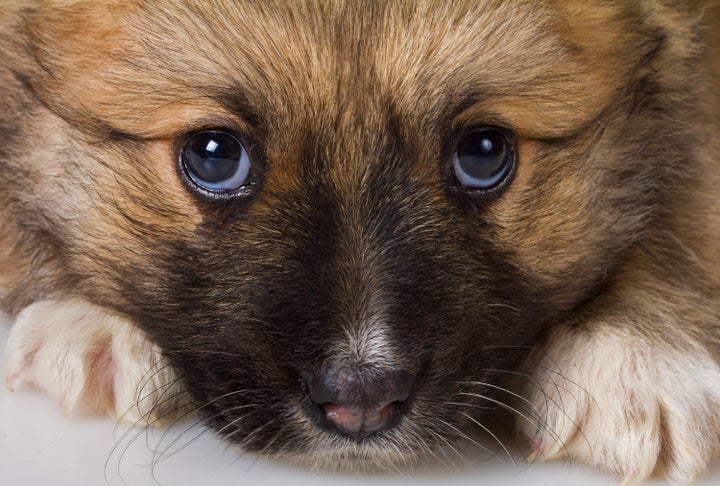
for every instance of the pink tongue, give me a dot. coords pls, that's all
(356, 419)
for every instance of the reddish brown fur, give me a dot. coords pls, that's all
(612, 215)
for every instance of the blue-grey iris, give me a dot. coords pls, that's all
(484, 158)
(216, 161)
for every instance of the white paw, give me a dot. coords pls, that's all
(625, 403)
(90, 360)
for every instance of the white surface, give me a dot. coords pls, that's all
(38, 446)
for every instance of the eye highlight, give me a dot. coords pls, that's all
(484, 159)
(216, 161)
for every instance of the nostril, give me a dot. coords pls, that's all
(359, 401)
(355, 420)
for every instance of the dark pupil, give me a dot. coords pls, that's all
(482, 155)
(214, 157)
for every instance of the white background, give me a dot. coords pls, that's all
(38, 446)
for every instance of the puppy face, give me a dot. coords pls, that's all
(277, 192)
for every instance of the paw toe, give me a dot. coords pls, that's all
(88, 360)
(649, 410)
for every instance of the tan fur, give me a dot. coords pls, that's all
(627, 376)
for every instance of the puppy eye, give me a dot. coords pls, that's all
(484, 159)
(216, 161)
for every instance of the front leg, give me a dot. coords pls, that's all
(91, 360)
(633, 387)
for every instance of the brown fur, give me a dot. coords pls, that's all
(609, 227)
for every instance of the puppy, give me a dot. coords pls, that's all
(344, 232)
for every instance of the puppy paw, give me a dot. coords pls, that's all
(624, 403)
(90, 360)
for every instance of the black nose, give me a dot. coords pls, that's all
(360, 401)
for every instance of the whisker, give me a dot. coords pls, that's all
(509, 392)
(168, 451)
(505, 406)
(246, 440)
(487, 429)
(195, 411)
(467, 437)
(452, 447)
(535, 412)
(438, 436)
(427, 426)
(568, 380)
(128, 438)
(561, 405)
(271, 442)
(165, 387)
(387, 444)
(205, 351)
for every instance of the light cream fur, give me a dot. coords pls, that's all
(90, 360)
(623, 413)
(634, 400)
